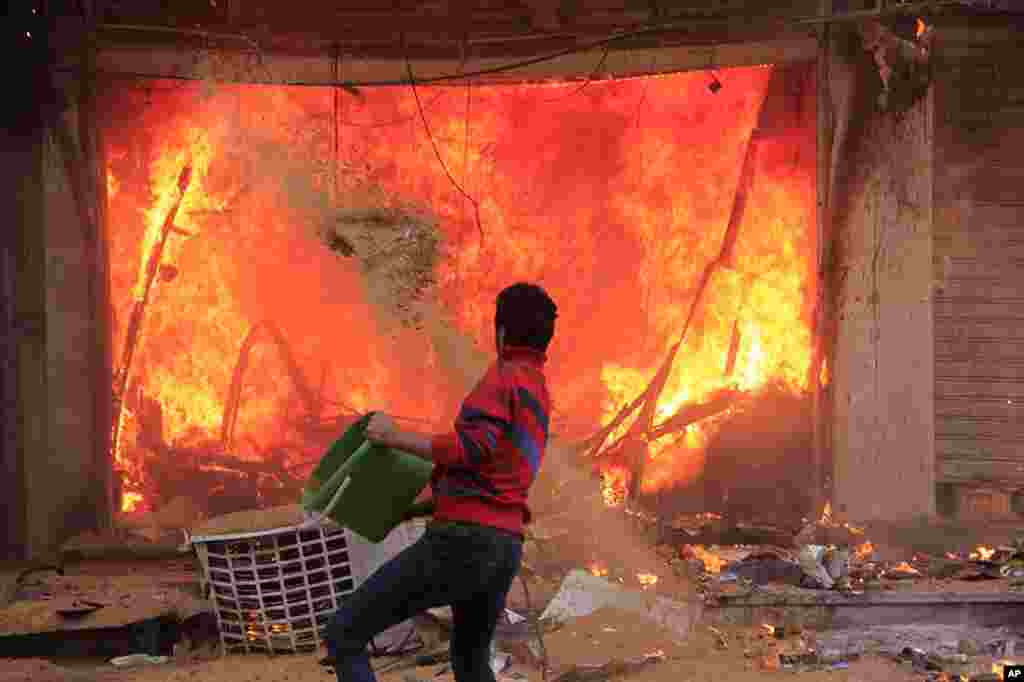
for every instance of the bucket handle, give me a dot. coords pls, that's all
(317, 518)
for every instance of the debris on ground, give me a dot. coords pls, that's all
(582, 593)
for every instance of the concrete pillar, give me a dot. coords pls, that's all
(24, 279)
(881, 204)
(56, 379)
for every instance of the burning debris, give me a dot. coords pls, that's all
(902, 61)
(736, 305)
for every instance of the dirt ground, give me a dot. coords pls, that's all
(605, 635)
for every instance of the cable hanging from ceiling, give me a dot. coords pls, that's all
(437, 152)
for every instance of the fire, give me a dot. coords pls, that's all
(920, 29)
(999, 666)
(647, 579)
(113, 185)
(770, 629)
(130, 502)
(598, 570)
(863, 550)
(613, 486)
(712, 562)
(983, 553)
(904, 567)
(826, 514)
(647, 191)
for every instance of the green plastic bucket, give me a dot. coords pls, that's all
(363, 487)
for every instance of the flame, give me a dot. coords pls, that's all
(770, 629)
(598, 570)
(921, 28)
(130, 502)
(712, 562)
(999, 666)
(983, 553)
(863, 550)
(113, 185)
(904, 567)
(613, 486)
(242, 253)
(647, 579)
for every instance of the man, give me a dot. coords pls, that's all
(482, 475)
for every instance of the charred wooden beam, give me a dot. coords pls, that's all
(138, 313)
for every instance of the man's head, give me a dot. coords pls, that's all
(525, 316)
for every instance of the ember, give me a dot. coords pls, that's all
(863, 551)
(647, 579)
(903, 568)
(983, 553)
(712, 562)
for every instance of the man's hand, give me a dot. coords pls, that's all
(381, 430)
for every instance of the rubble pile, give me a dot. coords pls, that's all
(825, 555)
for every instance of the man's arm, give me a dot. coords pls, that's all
(382, 431)
(485, 418)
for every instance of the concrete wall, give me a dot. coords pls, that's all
(55, 455)
(979, 215)
(24, 287)
(881, 208)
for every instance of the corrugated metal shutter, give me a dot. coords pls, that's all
(979, 252)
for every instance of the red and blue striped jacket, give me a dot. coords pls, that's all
(484, 468)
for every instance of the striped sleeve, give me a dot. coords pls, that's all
(530, 431)
(486, 415)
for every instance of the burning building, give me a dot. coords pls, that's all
(738, 225)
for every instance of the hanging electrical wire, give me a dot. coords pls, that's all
(589, 79)
(437, 152)
(336, 125)
(465, 141)
(395, 121)
(653, 29)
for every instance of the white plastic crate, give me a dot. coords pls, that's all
(276, 591)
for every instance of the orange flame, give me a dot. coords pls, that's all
(613, 486)
(598, 570)
(921, 28)
(712, 562)
(130, 501)
(251, 257)
(904, 567)
(983, 553)
(647, 579)
(863, 550)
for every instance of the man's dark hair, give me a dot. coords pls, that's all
(528, 315)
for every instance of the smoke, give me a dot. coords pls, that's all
(392, 244)
(595, 532)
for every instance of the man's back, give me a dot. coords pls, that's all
(486, 467)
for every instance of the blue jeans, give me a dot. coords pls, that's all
(465, 566)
